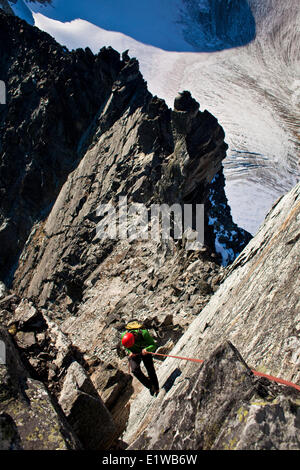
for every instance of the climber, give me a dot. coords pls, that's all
(139, 343)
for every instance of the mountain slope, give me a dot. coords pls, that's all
(256, 308)
(252, 89)
(222, 406)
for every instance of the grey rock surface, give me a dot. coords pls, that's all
(53, 96)
(63, 251)
(85, 410)
(221, 406)
(76, 384)
(256, 308)
(29, 418)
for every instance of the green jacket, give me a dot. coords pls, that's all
(143, 340)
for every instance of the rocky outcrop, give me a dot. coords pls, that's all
(256, 309)
(53, 360)
(29, 418)
(85, 410)
(222, 406)
(135, 154)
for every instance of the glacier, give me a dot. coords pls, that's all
(239, 59)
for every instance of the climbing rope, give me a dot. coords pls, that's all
(178, 357)
(255, 372)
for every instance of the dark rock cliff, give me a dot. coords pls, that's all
(223, 406)
(59, 103)
(53, 96)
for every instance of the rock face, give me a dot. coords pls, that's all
(257, 309)
(135, 155)
(29, 418)
(52, 359)
(88, 134)
(94, 114)
(220, 406)
(85, 410)
(52, 98)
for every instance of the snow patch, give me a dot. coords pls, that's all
(227, 254)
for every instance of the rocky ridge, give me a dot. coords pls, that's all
(29, 418)
(53, 96)
(60, 103)
(225, 408)
(257, 310)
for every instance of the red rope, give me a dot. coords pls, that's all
(276, 379)
(255, 372)
(179, 357)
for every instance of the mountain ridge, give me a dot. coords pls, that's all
(72, 293)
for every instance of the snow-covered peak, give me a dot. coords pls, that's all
(172, 25)
(157, 22)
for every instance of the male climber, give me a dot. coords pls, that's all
(139, 343)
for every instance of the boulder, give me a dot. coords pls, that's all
(85, 410)
(116, 390)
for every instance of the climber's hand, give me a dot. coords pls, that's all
(132, 355)
(144, 352)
